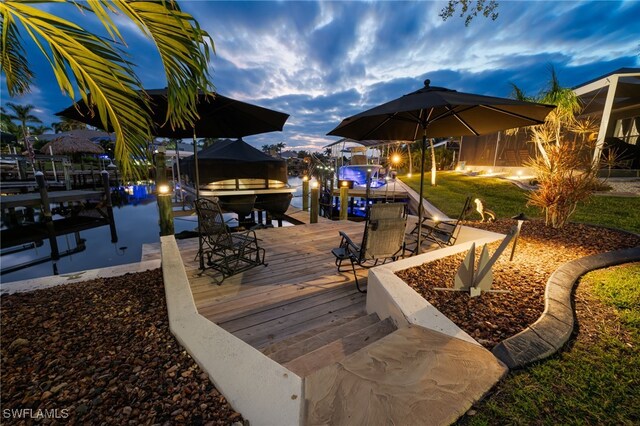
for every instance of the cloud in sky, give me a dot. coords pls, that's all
(323, 61)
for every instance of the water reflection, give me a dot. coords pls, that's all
(136, 219)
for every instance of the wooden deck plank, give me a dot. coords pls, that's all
(263, 313)
(348, 313)
(318, 340)
(270, 324)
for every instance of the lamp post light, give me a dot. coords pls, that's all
(520, 218)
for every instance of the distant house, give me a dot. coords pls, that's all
(612, 99)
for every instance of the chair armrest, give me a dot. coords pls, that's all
(347, 242)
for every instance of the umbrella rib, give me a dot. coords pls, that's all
(512, 114)
(464, 123)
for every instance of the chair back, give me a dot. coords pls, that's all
(211, 222)
(385, 231)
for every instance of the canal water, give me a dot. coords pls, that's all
(136, 224)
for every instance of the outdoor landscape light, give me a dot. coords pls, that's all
(408, 175)
(163, 189)
(520, 218)
(395, 159)
(314, 184)
(345, 183)
(305, 178)
(490, 171)
(519, 173)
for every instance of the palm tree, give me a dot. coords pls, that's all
(560, 119)
(22, 114)
(6, 125)
(67, 124)
(99, 69)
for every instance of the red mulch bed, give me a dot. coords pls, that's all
(493, 317)
(100, 352)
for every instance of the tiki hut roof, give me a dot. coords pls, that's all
(71, 145)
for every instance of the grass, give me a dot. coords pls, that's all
(596, 381)
(507, 200)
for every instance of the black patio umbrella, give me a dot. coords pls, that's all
(220, 117)
(438, 112)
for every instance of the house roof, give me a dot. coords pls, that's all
(627, 95)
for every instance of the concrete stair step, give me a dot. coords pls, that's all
(317, 340)
(339, 349)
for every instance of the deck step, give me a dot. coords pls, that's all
(323, 338)
(339, 349)
(307, 333)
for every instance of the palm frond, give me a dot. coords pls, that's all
(14, 62)
(184, 48)
(97, 68)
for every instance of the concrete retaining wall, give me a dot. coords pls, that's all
(389, 296)
(261, 389)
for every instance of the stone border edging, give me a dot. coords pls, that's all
(553, 329)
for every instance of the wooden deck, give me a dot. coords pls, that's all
(297, 295)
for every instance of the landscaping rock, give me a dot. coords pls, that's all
(102, 349)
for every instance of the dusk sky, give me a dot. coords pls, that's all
(323, 61)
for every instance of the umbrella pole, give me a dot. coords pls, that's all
(424, 147)
(195, 162)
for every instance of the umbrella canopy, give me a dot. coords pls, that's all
(71, 145)
(439, 112)
(220, 117)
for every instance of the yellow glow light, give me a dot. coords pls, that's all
(314, 184)
(408, 175)
(163, 189)
(395, 159)
(519, 172)
(345, 183)
(305, 178)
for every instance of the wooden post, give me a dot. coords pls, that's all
(368, 193)
(46, 215)
(344, 201)
(107, 197)
(313, 214)
(164, 195)
(67, 178)
(305, 193)
(93, 178)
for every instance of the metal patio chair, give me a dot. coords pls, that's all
(228, 253)
(383, 239)
(443, 233)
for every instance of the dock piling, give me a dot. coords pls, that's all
(313, 214)
(344, 201)
(107, 196)
(46, 215)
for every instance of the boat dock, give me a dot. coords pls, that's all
(300, 313)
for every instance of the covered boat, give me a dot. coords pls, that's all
(242, 177)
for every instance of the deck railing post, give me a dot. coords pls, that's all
(163, 195)
(344, 201)
(305, 193)
(313, 215)
(46, 215)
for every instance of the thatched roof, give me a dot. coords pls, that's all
(71, 145)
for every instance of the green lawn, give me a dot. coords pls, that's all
(507, 200)
(596, 381)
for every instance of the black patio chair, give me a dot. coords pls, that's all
(383, 239)
(441, 232)
(228, 253)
